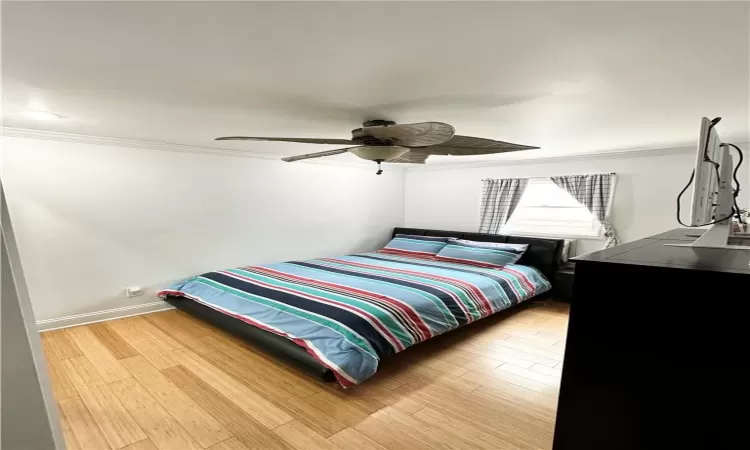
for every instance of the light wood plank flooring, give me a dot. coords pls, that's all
(168, 381)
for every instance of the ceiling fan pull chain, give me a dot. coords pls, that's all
(380, 170)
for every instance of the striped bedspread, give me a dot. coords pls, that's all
(351, 311)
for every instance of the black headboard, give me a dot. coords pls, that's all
(544, 254)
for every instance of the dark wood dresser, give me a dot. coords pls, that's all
(658, 349)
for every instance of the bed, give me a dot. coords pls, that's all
(338, 317)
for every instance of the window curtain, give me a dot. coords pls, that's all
(499, 200)
(595, 193)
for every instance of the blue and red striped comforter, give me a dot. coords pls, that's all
(351, 311)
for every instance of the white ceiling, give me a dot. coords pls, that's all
(569, 77)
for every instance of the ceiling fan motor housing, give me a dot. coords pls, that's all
(361, 137)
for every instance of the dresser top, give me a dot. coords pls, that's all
(659, 251)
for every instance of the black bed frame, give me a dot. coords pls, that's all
(543, 254)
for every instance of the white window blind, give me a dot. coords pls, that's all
(546, 209)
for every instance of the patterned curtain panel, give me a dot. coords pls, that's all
(594, 192)
(499, 200)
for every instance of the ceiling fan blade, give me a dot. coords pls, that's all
(299, 140)
(410, 158)
(317, 154)
(469, 145)
(412, 134)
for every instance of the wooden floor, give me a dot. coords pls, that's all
(168, 381)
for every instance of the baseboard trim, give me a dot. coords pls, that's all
(99, 316)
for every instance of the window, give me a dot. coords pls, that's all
(547, 209)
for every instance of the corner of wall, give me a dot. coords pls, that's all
(404, 174)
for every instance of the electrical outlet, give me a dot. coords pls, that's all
(133, 291)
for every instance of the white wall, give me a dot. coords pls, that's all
(644, 203)
(93, 219)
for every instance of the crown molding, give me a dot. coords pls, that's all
(26, 133)
(632, 153)
(180, 148)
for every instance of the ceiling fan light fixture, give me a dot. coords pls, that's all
(379, 153)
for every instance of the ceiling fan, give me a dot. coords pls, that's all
(386, 141)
